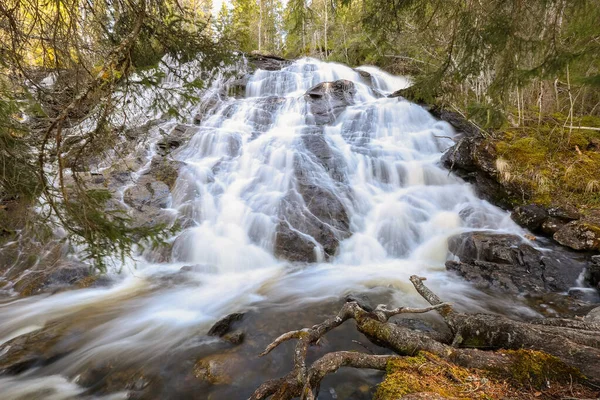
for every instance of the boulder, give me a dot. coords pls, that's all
(507, 263)
(474, 160)
(579, 235)
(267, 62)
(552, 225)
(328, 100)
(530, 216)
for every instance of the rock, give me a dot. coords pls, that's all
(223, 326)
(474, 160)
(565, 213)
(551, 225)
(508, 264)
(530, 216)
(267, 62)
(313, 218)
(593, 316)
(235, 338)
(165, 170)
(362, 300)
(458, 122)
(333, 162)
(579, 235)
(208, 106)
(147, 193)
(328, 100)
(292, 245)
(220, 369)
(179, 135)
(592, 273)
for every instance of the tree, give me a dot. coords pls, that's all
(92, 49)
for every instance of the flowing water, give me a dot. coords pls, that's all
(245, 175)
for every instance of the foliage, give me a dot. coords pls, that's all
(72, 64)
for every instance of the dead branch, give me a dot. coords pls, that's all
(575, 343)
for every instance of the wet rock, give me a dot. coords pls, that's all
(224, 325)
(474, 160)
(551, 225)
(147, 193)
(313, 219)
(530, 216)
(508, 264)
(592, 273)
(235, 338)
(333, 162)
(237, 88)
(362, 300)
(140, 133)
(208, 106)
(267, 62)
(179, 135)
(36, 349)
(328, 100)
(579, 235)
(220, 369)
(264, 113)
(165, 170)
(458, 121)
(292, 245)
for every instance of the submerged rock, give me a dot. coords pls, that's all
(224, 325)
(507, 263)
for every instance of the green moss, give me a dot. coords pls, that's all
(527, 150)
(536, 368)
(424, 372)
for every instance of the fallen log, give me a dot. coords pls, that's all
(569, 349)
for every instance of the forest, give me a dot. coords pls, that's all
(188, 185)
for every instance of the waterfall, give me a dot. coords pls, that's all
(311, 186)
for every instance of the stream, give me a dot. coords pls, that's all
(343, 181)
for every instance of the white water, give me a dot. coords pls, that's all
(239, 168)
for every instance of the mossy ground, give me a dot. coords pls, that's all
(555, 164)
(536, 375)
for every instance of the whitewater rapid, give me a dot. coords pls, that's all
(238, 169)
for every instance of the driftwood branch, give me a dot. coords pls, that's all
(576, 343)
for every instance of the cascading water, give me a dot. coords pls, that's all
(342, 178)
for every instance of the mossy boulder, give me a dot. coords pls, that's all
(580, 235)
